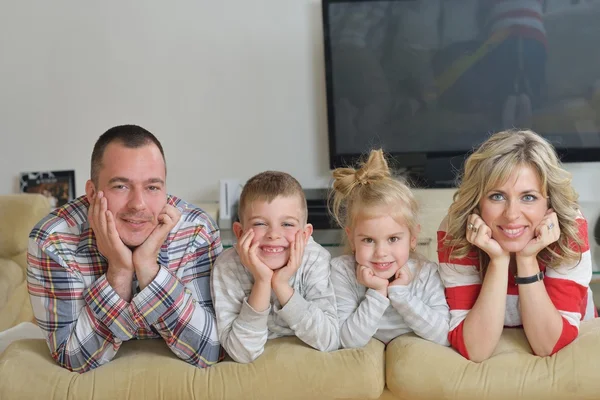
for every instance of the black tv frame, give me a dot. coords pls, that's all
(424, 169)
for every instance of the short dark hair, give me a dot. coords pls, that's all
(131, 136)
(266, 186)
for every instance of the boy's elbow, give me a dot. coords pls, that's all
(245, 357)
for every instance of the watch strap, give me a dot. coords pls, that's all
(529, 279)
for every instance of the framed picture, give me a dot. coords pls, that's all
(57, 186)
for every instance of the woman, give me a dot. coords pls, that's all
(513, 249)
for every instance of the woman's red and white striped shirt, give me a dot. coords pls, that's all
(567, 286)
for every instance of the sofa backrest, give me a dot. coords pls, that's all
(18, 215)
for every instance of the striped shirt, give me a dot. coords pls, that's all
(85, 321)
(521, 17)
(310, 314)
(567, 286)
(363, 313)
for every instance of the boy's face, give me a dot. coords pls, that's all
(275, 225)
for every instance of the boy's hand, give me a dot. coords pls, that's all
(109, 243)
(247, 252)
(402, 277)
(145, 256)
(283, 275)
(366, 277)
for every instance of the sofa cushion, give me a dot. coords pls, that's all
(146, 369)
(11, 275)
(17, 309)
(419, 369)
(18, 214)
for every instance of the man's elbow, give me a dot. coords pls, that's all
(74, 364)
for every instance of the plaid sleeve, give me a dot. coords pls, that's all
(84, 327)
(178, 304)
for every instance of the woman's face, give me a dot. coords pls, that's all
(513, 211)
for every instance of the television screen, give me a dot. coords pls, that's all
(433, 78)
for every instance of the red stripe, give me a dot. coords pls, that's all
(444, 253)
(566, 295)
(568, 334)
(462, 297)
(456, 339)
(582, 226)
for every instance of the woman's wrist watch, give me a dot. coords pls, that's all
(529, 279)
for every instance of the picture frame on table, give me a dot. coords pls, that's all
(57, 186)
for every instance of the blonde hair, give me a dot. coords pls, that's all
(268, 185)
(490, 166)
(360, 191)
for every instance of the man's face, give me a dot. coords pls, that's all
(133, 182)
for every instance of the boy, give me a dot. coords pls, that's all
(275, 281)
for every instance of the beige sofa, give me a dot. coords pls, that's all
(409, 368)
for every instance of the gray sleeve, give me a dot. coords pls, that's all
(424, 308)
(359, 318)
(312, 314)
(242, 330)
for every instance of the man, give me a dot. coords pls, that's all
(124, 261)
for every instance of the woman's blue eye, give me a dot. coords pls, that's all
(529, 198)
(496, 197)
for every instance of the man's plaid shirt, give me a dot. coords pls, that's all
(85, 320)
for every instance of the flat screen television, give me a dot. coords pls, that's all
(429, 80)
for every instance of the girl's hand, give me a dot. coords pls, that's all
(367, 278)
(402, 277)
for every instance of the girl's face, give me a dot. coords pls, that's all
(513, 211)
(381, 243)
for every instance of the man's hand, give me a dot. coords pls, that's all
(145, 256)
(108, 241)
(546, 233)
(117, 254)
(247, 252)
(402, 277)
(281, 278)
(366, 277)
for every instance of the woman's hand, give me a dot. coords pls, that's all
(547, 232)
(480, 235)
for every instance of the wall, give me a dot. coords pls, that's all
(230, 89)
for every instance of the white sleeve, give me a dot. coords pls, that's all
(312, 314)
(358, 318)
(424, 308)
(242, 331)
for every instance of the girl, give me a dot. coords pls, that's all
(383, 288)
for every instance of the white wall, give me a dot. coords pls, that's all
(231, 88)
